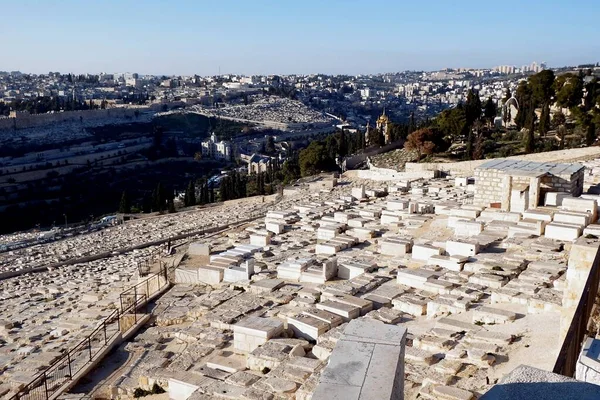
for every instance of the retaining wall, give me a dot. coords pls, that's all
(467, 168)
(385, 174)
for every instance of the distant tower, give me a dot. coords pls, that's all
(383, 123)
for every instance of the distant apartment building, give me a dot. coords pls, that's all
(506, 69)
(133, 82)
(218, 150)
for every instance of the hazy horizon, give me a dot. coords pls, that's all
(267, 37)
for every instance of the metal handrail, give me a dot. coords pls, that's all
(44, 380)
(47, 382)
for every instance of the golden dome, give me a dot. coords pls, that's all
(383, 118)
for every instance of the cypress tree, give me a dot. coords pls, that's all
(590, 134)
(528, 138)
(261, 183)
(470, 144)
(171, 206)
(343, 145)
(544, 125)
(124, 206)
(190, 195)
(225, 189)
(155, 200)
(237, 185)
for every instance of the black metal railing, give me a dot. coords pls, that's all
(48, 382)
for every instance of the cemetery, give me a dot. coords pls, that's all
(431, 288)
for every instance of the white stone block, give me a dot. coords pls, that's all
(397, 205)
(260, 240)
(555, 198)
(461, 181)
(358, 192)
(274, 227)
(210, 275)
(573, 218)
(424, 251)
(468, 249)
(468, 228)
(395, 246)
(561, 231)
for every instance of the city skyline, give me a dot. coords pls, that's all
(506, 68)
(263, 37)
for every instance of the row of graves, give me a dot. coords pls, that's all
(469, 283)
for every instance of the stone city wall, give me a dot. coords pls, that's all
(24, 120)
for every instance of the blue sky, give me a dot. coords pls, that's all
(284, 36)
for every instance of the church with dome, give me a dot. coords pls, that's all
(382, 127)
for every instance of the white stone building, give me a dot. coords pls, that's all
(517, 185)
(219, 150)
